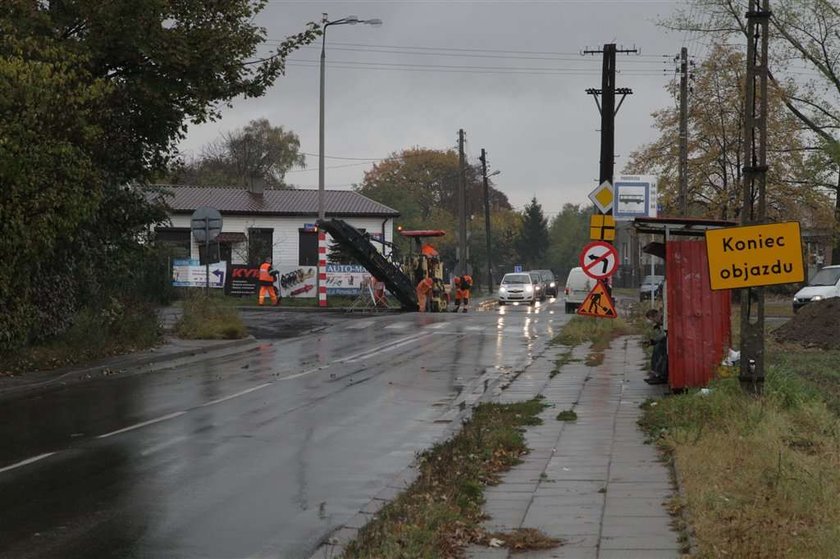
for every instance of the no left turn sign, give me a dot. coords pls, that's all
(599, 260)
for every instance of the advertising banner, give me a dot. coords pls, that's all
(297, 281)
(190, 273)
(243, 280)
(345, 279)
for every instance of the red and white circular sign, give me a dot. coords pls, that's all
(599, 260)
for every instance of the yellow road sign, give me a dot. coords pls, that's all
(602, 227)
(603, 197)
(755, 255)
(598, 303)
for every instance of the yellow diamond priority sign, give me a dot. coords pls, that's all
(603, 197)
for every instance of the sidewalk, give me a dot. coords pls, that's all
(591, 482)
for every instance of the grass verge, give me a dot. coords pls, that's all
(206, 318)
(597, 331)
(121, 327)
(440, 513)
(760, 476)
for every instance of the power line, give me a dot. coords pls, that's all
(336, 45)
(470, 69)
(653, 59)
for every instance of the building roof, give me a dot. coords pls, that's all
(237, 201)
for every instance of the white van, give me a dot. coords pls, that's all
(578, 286)
(824, 285)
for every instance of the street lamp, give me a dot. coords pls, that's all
(349, 20)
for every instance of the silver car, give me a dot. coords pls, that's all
(517, 288)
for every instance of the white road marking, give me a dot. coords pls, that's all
(475, 328)
(25, 462)
(398, 326)
(237, 395)
(437, 325)
(164, 444)
(143, 424)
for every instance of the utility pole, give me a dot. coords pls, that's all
(608, 110)
(754, 206)
(683, 198)
(462, 207)
(483, 159)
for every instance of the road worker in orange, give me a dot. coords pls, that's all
(464, 285)
(424, 288)
(267, 278)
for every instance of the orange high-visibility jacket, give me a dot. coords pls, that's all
(265, 274)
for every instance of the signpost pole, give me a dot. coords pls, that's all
(207, 257)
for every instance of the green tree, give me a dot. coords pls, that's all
(532, 244)
(715, 154)
(568, 233)
(259, 151)
(94, 96)
(805, 52)
(422, 184)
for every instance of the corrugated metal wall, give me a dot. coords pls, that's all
(698, 318)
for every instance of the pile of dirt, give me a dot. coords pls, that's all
(816, 324)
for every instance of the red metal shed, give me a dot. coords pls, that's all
(697, 319)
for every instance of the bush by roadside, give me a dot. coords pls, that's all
(760, 476)
(208, 318)
(116, 328)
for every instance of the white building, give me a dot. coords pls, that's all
(276, 223)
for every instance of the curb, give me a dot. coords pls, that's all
(486, 388)
(64, 377)
(483, 389)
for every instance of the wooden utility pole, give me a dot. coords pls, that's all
(483, 160)
(608, 108)
(683, 198)
(462, 207)
(754, 207)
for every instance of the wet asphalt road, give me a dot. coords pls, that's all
(261, 454)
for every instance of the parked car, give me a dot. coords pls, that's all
(578, 286)
(517, 288)
(824, 285)
(549, 281)
(651, 285)
(539, 285)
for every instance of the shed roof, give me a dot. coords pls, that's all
(237, 201)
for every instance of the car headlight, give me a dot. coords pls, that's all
(529, 289)
(502, 290)
(817, 298)
(552, 284)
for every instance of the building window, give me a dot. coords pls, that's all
(307, 248)
(260, 244)
(176, 240)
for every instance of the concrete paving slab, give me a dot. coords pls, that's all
(603, 488)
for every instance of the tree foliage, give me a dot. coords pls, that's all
(422, 184)
(568, 233)
(533, 242)
(257, 152)
(93, 97)
(804, 67)
(716, 149)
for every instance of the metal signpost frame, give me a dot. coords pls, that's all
(206, 224)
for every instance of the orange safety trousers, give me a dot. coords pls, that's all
(268, 289)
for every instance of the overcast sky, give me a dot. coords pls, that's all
(508, 72)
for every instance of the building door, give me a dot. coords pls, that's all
(307, 248)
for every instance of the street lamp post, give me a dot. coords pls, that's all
(349, 20)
